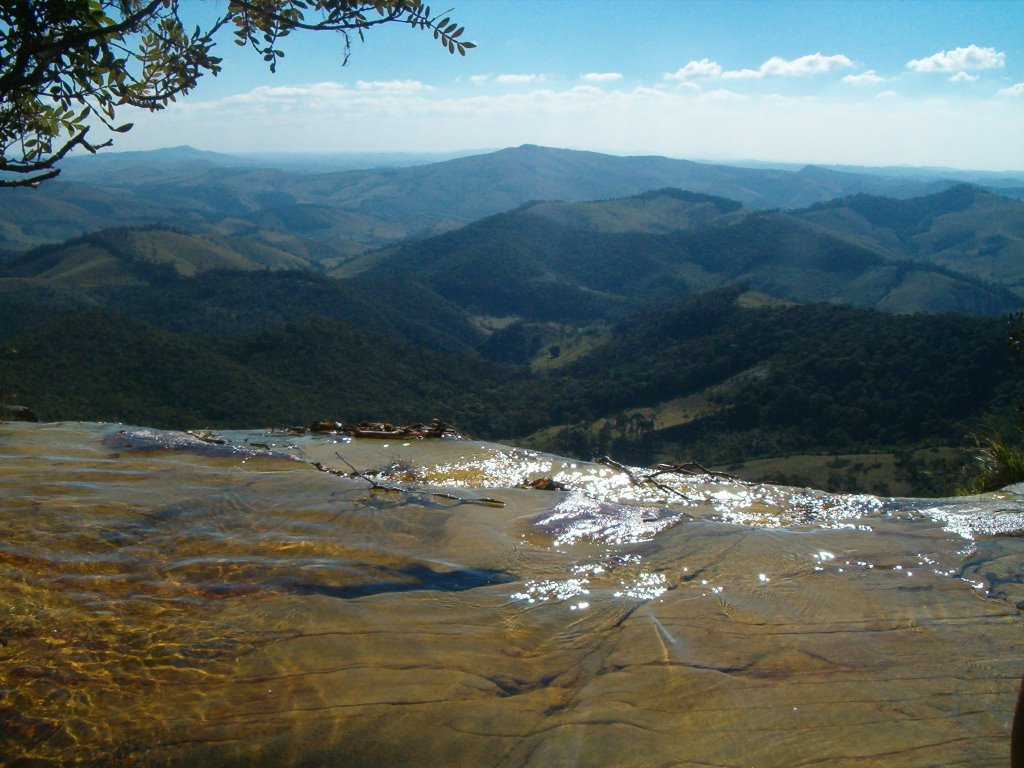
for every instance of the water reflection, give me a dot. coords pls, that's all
(167, 600)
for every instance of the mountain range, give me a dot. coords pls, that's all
(957, 250)
(358, 210)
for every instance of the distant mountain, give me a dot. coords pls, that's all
(578, 262)
(186, 159)
(359, 210)
(1008, 183)
(147, 166)
(583, 328)
(655, 212)
(471, 187)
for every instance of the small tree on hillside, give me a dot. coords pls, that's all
(67, 65)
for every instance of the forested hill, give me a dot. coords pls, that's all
(963, 229)
(959, 250)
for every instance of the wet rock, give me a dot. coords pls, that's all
(171, 608)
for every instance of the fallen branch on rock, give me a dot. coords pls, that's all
(690, 468)
(693, 468)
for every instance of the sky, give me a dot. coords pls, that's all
(876, 83)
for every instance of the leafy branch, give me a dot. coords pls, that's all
(66, 67)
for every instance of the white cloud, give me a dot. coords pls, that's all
(281, 97)
(812, 64)
(649, 92)
(864, 78)
(521, 78)
(602, 77)
(778, 98)
(669, 120)
(886, 95)
(393, 86)
(741, 74)
(723, 95)
(960, 59)
(962, 77)
(695, 69)
(478, 79)
(687, 85)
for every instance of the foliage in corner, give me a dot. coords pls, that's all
(997, 466)
(67, 66)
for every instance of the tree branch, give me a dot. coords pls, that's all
(47, 164)
(62, 62)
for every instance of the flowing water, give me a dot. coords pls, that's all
(165, 600)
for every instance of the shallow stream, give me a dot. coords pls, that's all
(169, 600)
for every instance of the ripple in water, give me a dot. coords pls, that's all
(170, 599)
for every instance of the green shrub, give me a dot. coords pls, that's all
(997, 465)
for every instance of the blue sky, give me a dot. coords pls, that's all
(937, 83)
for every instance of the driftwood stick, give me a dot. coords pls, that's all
(610, 462)
(355, 473)
(607, 460)
(693, 468)
(487, 502)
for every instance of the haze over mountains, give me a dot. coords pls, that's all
(183, 288)
(356, 210)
